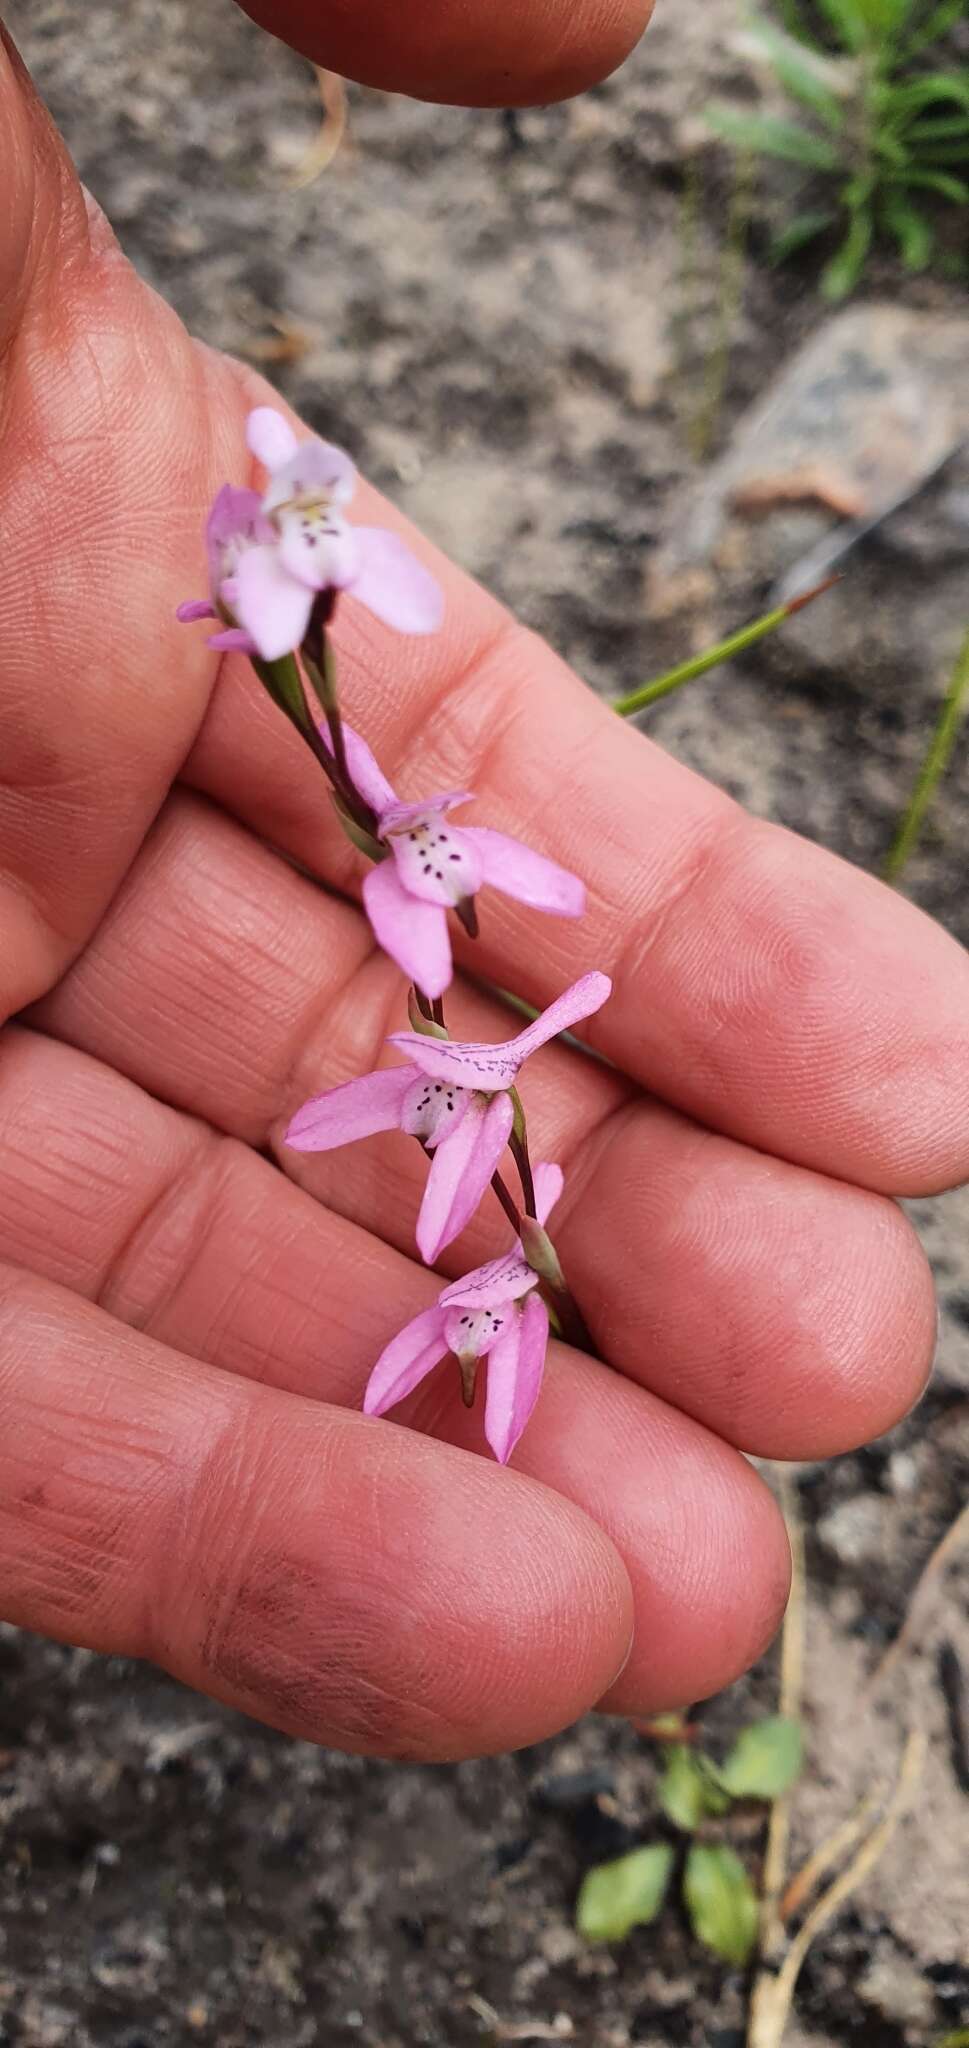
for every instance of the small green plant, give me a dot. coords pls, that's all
(885, 134)
(697, 1796)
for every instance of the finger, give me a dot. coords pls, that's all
(201, 1244)
(354, 1585)
(761, 984)
(792, 1314)
(473, 55)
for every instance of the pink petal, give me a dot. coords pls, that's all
(394, 585)
(515, 1369)
(460, 1172)
(488, 1067)
(528, 876)
(399, 816)
(235, 521)
(270, 604)
(414, 934)
(269, 437)
(233, 641)
(195, 608)
(549, 1181)
(504, 1279)
(369, 779)
(318, 547)
(407, 1359)
(357, 1110)
(435, 862)
(315, 469)
(581, 1000)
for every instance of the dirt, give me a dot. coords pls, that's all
(525, 330)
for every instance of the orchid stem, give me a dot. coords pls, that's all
(737, 643)
(507, 1202)
(569, 1318)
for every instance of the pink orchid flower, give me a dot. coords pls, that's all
(269, 556)
(436, 866)
(313, 547)
(492, 1313)
(236, 522)
(464, 1117)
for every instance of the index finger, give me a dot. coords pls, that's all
(519, 52)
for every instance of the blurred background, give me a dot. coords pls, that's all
(642, 363)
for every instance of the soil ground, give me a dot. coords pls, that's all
(525, 330)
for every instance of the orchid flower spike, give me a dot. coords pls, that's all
(463, 1117)
(492, 1313)
(435, 866)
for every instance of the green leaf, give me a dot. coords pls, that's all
(842, 273)
(848, 22)
(929, 90)
(768, 136)
(616, 1897)
(800, 230)
(721, 1902)
(681, 1789)
(801, 72)
(960, 2039)
(912, 232)
(936, 25)
(940, 130)
(934, 181)
(764, 1760)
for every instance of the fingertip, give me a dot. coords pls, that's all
(473, 55)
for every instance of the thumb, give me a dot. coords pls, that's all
(481, 53)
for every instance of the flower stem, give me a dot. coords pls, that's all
(507, 1202)
(737, 643)
(933, 767)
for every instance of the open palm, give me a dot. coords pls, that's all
(189, 1311)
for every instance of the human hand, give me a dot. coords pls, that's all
(187, 1328)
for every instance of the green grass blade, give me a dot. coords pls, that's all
(847, 264)
(725, 650)
(848, 21)
(933, 181)
(769, 136)
(913, 233)
(933, 768)
(935, 26)
(801, 73)
(798, 232)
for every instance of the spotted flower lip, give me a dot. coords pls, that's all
(313, 547)
(493, 1313)
(435, 865)
(464, 1131)
(493, 1067)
